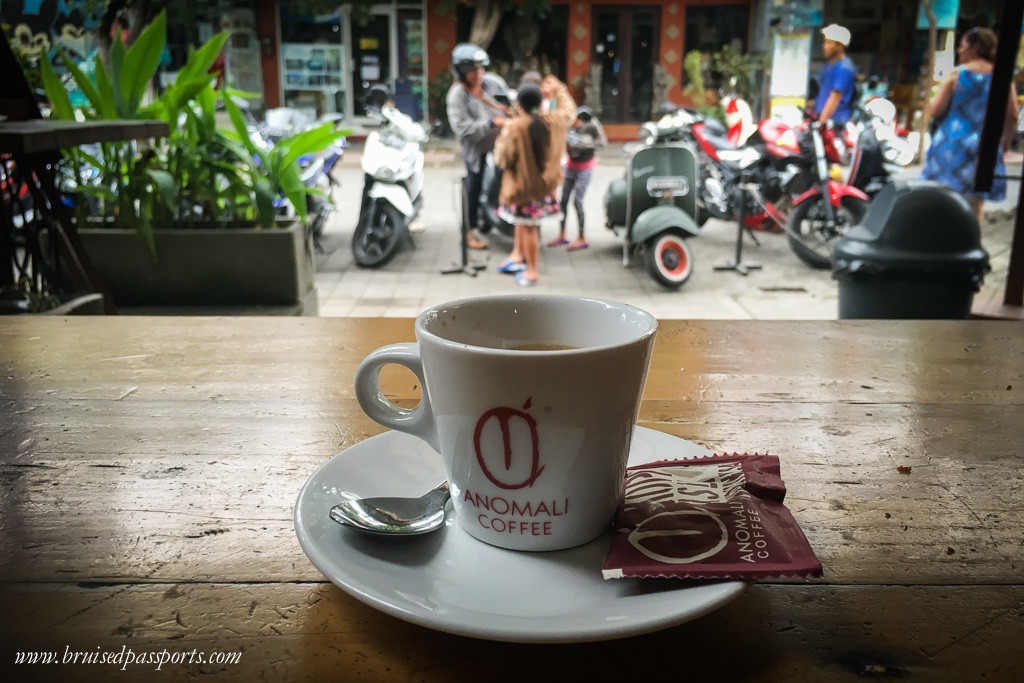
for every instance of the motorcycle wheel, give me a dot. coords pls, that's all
(668, 260)
(811, 239)
(376, 242)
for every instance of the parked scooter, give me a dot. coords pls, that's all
(738, 118)
(652, 208)
(392, 194)
(815, 223)
(315, 170)
(881, 150)
(785, 169)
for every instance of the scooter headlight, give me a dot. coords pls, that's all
(648, 133)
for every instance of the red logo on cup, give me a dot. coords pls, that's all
(504, 417)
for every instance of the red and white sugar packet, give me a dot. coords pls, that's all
(719, 517)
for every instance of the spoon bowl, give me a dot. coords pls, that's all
(392, 516)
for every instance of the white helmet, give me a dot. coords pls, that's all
(838, 33)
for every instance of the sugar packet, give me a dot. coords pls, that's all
(719, 517)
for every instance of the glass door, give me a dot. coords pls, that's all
(371, 57)
(390, 48)
(625, 44)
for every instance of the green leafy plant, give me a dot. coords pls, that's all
(693, 65)
(200, 172)
(277, 168)
(214, 185)
(137, 184)
(740, 70)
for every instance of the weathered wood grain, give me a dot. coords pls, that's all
(314, 631)
(149, 467)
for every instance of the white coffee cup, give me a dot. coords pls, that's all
(531, 402)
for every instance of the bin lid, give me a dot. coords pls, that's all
(914, 225)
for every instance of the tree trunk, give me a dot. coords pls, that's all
(485, 22)
(925, 98)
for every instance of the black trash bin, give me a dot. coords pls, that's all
(916, 254)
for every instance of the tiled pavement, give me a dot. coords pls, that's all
(783, 289)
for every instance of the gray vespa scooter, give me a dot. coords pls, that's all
(652, 209)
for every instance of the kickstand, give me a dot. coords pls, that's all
(464, 266)
(737, 264)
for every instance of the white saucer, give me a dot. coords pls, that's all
(452, 582)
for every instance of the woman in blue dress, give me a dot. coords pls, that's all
(952, 158)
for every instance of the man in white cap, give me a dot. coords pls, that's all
(838, 77)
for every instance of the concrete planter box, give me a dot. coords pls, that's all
(208, 267)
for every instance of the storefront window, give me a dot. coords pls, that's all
(313, 59)
(329, 62)
(709, 28)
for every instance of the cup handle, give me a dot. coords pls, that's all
(420, 420)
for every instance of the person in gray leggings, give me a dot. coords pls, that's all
(585, 137)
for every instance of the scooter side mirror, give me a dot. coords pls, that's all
(667, 108)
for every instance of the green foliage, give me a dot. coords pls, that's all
(278, 167)
(693, 65)
(437, 95)
(200, 172)
(696, 90)
(740, 70)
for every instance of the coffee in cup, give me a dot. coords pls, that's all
(531, 402)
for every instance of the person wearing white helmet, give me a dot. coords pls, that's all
(838, 77)
(476, 118)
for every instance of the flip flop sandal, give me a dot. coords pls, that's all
(524, 281)
(576, 246)
(511, 267)
(558, 242)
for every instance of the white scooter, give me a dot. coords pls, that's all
(392, 195)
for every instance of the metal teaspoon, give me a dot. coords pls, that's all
(394, 516)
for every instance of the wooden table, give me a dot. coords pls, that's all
(150, 467)
(37, 136)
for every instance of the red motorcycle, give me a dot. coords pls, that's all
(785, 169)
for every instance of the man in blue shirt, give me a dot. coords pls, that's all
(838, 77)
